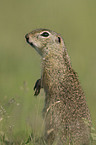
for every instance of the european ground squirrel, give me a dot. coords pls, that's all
(67, 117)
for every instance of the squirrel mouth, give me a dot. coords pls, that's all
(31, 43)
(27, 40)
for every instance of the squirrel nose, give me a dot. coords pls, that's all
(27, 37)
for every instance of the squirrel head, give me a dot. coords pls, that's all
(45, 41)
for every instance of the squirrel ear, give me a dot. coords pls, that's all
(58, 39)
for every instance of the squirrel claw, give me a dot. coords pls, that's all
(37, 87)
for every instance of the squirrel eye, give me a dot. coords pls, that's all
(45, 34)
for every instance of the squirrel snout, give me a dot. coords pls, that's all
(27, 37)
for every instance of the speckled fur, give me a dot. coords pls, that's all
(67, 117)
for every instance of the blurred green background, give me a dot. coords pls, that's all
(75, 20)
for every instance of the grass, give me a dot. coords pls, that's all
(15, 127)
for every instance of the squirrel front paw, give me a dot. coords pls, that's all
(37, 87)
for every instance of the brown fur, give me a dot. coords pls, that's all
(67, 117)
